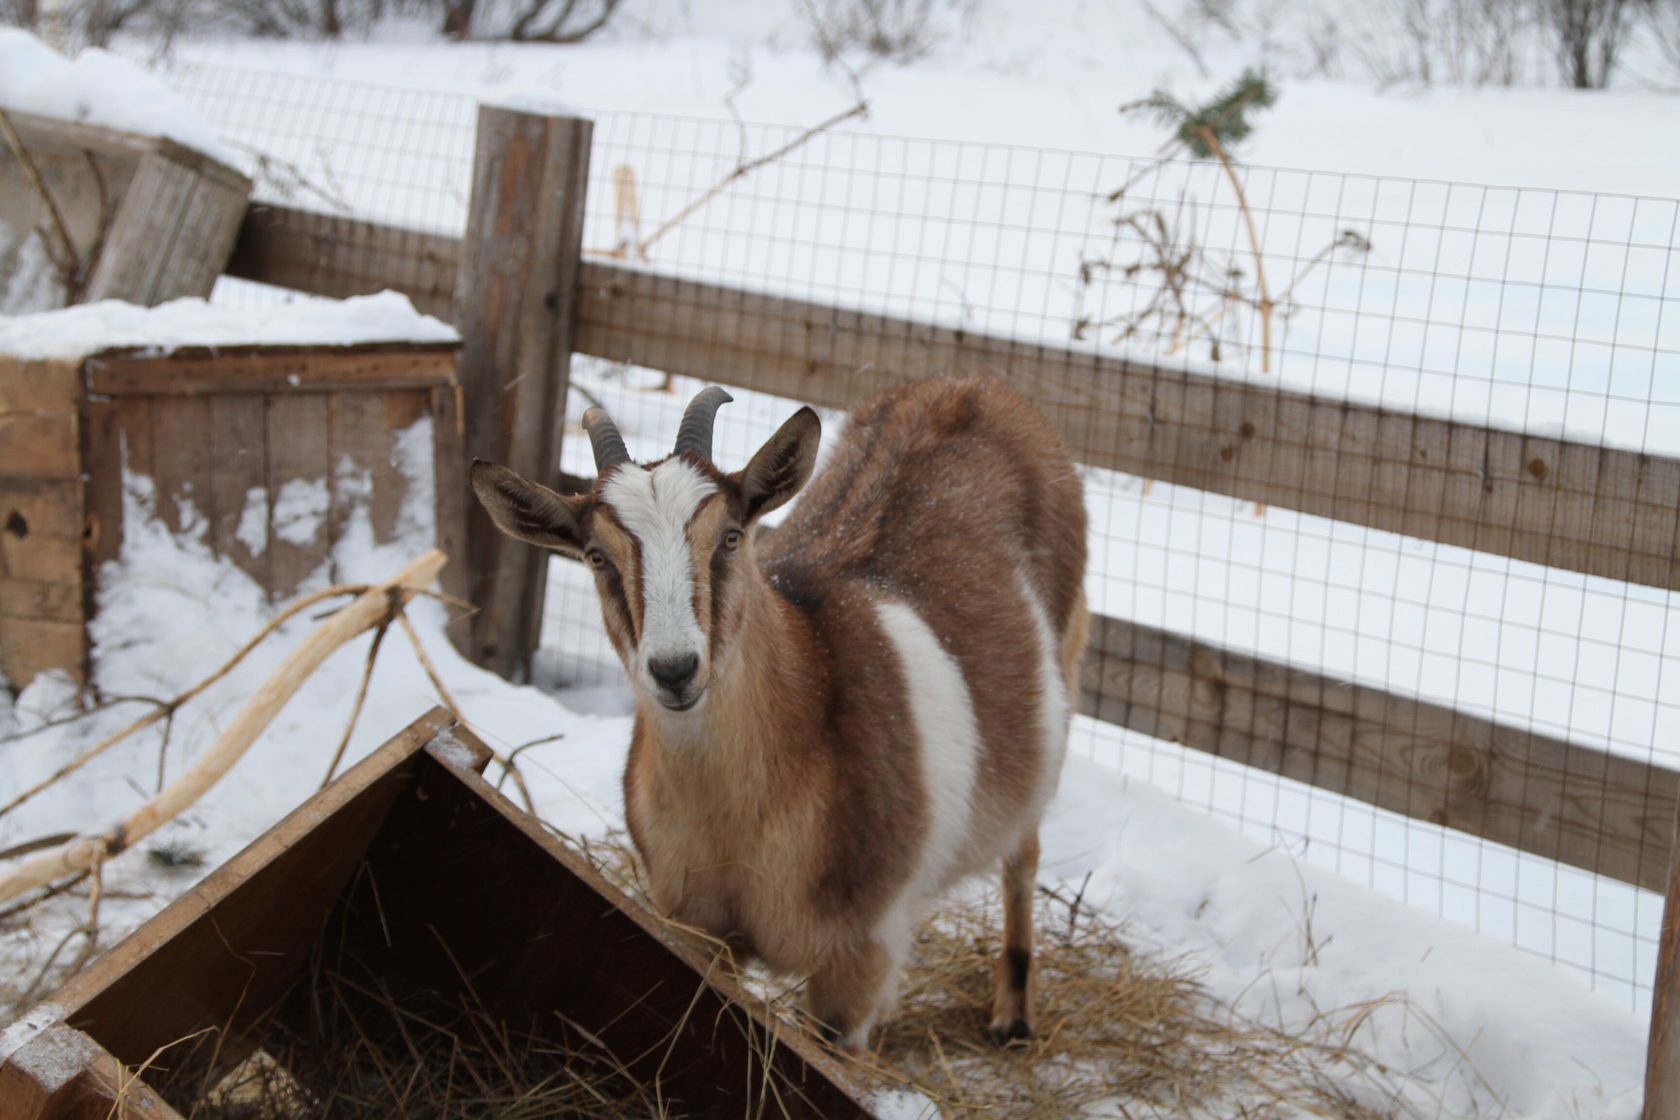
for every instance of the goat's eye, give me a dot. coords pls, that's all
(597, 559)
(732, 539)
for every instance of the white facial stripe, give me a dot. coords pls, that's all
(655, 506)
(1053, 710)
(950, 743)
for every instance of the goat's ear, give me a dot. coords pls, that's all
(523, 509)
(782, 465)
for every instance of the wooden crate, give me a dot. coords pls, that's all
(412, 859)
(223, 434)
(150, 220)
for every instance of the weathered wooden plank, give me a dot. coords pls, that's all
(39, 385)
(299, 489)
(181, 463)
(239, 481)
(1429, 478)
(39, 445)
(341, 257)
(1662, 1056)
(1582, 806)
(225, 948)
(172, 232)
(41, 558)
(273, 370)
(516, 295)
(449, 464)
(1463, 485)
(103, 441)
(31, 645)
(39, 599)
(365, 426)
(47, 508)
(62, 1074)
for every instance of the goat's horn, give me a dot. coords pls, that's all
(604, 438)
(695, 434)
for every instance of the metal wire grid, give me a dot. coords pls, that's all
(1538, 310)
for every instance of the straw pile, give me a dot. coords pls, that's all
(1119, 1033)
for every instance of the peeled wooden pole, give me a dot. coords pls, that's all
(367, 610)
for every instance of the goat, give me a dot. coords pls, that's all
(836, 722)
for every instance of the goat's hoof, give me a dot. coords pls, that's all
(1002, 1033)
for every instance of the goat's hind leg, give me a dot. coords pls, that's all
(1012, 1006)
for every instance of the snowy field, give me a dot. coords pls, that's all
(1522, 272)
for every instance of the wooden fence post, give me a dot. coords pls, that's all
(1662, 1060)
(516, 308)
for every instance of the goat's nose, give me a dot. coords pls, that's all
(674, 673)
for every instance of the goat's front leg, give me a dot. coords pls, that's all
(1012, 1015)
(849, 989)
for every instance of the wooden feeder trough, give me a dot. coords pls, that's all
(413, 877)
(225, 434)
(131, 217)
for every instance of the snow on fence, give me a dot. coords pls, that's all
(1387, 548)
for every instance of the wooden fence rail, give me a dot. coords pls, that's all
(1602, 511)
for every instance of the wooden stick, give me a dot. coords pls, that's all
(34, 174)
(165, 711)
(371, 608)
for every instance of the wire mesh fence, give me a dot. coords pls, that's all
(1163, 299)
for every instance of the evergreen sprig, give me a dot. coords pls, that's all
(1225, 117)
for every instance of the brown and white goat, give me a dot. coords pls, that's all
(836, 722)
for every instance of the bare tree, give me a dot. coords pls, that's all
(1588, 34)
(563, 21)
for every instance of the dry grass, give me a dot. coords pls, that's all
(1119, 1033)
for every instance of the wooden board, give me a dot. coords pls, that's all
(62, 1074)
(516, 292)
(340, 257)
(222, 953)
(1611, 513)
(39, 445)
(171, 233)
(239, 481)
(1662, 1056)
(38, 599)
(29, 646)
(181, 463)
(1576, 804)
(299, 454)
(277, 369)
(454, 495)
(1596, 510)
(46, 385)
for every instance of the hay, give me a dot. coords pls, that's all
(344, 1045)
(1119, 1032)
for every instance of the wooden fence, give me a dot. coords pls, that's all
(1575, 506)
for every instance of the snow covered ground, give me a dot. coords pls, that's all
(1546, 301)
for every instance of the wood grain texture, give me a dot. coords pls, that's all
(454, 494)
(62, 1074)
(1662, 1057)
(1576, 804)
(222, 953)
(340, 257)
(273, 369)
(39, 385)
(181, 463)
(38, 599)
(299, 461)
(239, 481)
(516, 294)
(29, 646)
(1602, 511)
(171, 233)
(39, 445)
